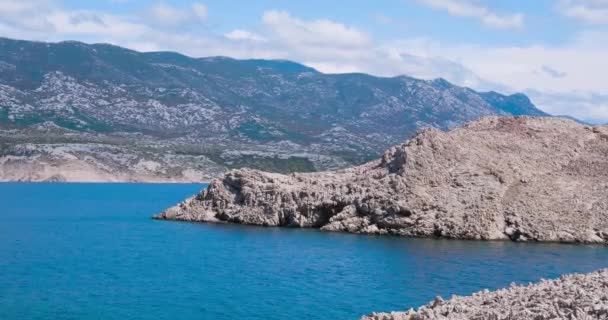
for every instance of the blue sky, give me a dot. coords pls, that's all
(541, 15)
(553, 50)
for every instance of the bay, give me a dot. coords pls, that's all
(91, 251)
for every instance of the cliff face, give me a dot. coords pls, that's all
(570, 297)
(524, 178)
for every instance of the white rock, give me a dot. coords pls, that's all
(464, 184)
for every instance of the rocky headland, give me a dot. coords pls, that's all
(579, 296)
(499, 178)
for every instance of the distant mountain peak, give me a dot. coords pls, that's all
(442, 83)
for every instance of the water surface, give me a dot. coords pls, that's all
(91, 251)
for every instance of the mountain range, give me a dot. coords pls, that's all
(59, 102)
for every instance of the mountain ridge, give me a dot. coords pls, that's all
(219, 107)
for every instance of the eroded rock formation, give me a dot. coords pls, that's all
(581, 296)
(522, 178)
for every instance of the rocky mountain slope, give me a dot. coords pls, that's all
(230, 111)
(579, 296)
(518, 178)
(100, 160)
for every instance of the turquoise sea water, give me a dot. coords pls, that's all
(91, 251)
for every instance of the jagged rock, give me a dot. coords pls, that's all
(581, 296)
(522, 178)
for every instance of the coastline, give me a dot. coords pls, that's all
(109, 182)
(160, 217)
(488, 180)
(572, 296)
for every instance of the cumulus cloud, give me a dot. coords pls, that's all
(574, 69)
(581, 66)
(589, 11)
(589, 107)
(565, 79)
(467, 8)
(322, 32)
(319, 42)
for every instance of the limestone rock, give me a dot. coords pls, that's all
(518, 178)
(580, 296)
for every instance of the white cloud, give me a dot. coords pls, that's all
(320, 42)
(165, 14)
(577, 71)
(586, 106)
(582, 66)
(17, 14)
(564, 79)
(239, 34)
(313, 33)
(12, 7)
(466, 8)
(589, 11)
(96, 25)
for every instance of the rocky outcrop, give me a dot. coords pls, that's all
(570, 297)
(518, 178)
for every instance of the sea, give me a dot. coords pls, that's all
(92, 251)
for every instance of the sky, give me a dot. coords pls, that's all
(555, 51)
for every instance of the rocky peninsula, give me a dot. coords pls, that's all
(579, 296)
(498, 178)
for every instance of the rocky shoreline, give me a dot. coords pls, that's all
(577, 296)
(499, 178)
